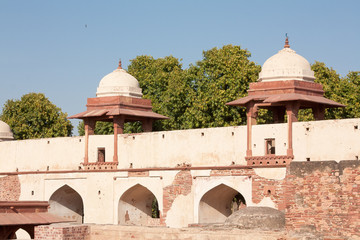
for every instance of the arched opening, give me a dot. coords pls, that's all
(67, 203)
(17, 232)
(138, 206)
(22, 234)
(219, 203)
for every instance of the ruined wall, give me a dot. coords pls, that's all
(10, 188)
(62, 232)
(324, 196)
(180, 186)
(263, 189)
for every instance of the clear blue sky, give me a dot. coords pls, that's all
(64, 48)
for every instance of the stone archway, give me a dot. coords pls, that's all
(219, 203)
(22, 234)
(67, 203)
(138, 206)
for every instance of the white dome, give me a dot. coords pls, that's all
(5, 132)
(119, 83)
(286, 65)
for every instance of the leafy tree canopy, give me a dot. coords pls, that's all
(34, 116)
(223, 75)
(344, 90)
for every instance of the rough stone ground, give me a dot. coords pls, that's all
(204, 232)
(112, 232)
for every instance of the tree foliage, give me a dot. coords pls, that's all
(223, 75)
(106, 128)
(34, 116)
(196, 97)
(167, 85)
(344, 90)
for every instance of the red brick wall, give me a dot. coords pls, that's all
(10, 188)
(180, 186)
(62, 232)
(324, 196)
(260, 186)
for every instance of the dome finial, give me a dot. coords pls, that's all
(286, 41)
(119, 67)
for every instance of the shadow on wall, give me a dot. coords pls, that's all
(219, 203)
(67, 203)
(138, 206)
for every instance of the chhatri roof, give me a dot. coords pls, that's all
(286, 65)
(286, 77)
(119, 83)
(5, 132)
(118, 94)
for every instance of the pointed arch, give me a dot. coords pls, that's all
(22, 233)
(218, 203)
(138, 206)
(67, 203)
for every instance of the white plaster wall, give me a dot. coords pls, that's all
(264, 131)
(327, 140)
(39, 154)
(101, 141)
(198, 147)
(324, 140)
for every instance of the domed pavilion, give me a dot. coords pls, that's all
(5, 132)
(285, 85)
(118, 100)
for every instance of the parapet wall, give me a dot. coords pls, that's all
(312, 141)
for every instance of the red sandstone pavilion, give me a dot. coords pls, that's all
(118, 100)
(285, 85)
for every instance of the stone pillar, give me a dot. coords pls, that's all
(292, 110)
(319, 112)
(89, 126)
(147, 125)
(251, 113)
(118, 129)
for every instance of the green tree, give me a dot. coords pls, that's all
(106, 128)
(343, 90)
(352, 92)
(223, 75)
(34, 116)
(167, 85)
